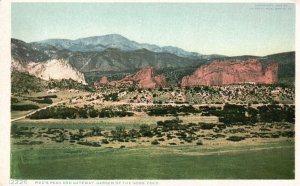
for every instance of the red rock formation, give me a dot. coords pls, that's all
(102, 81)
(271, 73)
(144, 78)
(161, 80)
(232, 72)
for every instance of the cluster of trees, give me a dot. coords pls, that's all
(122, 135)
(25, 107)
(43, 100)
(276, 113)
(111, 114)
(185, 132)
(68, 84)
(172, 110)
(111, 97)
(17, 131)
(232, 114)
(167, 125)
(55, 112)
(27, 142)
(61, 112)
(209, 111)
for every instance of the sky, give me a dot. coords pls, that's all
(208, 28)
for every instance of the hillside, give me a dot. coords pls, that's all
(23, 82)
(26, 83)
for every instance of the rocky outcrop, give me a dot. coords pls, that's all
(50, 69)
(144, 78)
(232, 72)
(102, 81)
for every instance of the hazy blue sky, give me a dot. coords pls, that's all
(229, 29)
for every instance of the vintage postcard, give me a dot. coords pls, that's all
(102, 92)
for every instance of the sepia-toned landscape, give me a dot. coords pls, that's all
(108, 107)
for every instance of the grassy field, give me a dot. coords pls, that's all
(269, 161)
(128, 122)
(17, 114)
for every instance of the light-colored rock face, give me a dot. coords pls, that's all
(144, 78)
(51, 69)
(232, 72)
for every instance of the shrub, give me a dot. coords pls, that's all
(119, 133)
(82, 112)
(45, 100)
(288, 134)
(14, 100)
(235, 138)
(155, 142)
(104, 141)
(48, 96)
(93, 144)
(145, 130)
(188, 139)
(221, 126)
(206, 126)
(93, 113)
(199, 142)
(161, 139)
(110, 114)
(111, 97)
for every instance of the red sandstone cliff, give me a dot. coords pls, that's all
(232, 72)
(144, 78)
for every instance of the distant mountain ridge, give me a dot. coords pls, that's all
(100, 43)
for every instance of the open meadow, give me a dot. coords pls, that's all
(265, 161)
(134, 134)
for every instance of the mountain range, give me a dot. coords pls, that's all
(100, 43)
(88, 59)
